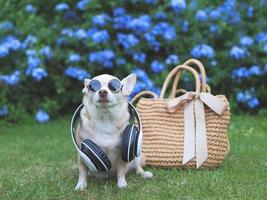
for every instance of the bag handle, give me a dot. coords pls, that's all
(204, 87)
(177, 70)
(144, 93)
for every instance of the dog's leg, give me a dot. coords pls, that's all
(140, 161)
(82, 182)
(122, 169)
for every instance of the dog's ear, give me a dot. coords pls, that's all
(86, 82)
(128, 84)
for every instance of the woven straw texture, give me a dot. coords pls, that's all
(163, 142)
(164, 134)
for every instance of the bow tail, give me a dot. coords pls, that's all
(189, 132)
(201, 136)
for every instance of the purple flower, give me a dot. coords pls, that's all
(11, 79)
(265, 48)
(140, 57)
(213, 63)
(3, 111)
(253, 102)
(61, 7)
(250, 11)
(80, 34)
(172, 60)
(41, 116)
(119, 11)
(151, 39)
(215, 14)
(68, 32)
(143, 82)
(30, 9)
(178, 5)
(46, 51)
(9, 43)
(202, 50)
(122, 22)
(30, 40)
(215, 28)
(33, 62)
(243, 96)
(127, 40)
(241, 72)
(261, 37)
(246, 41)
(237, 53)
(140, 73)
(160, 15)
(6, 25)
(157, 66)
(74, 57)
(100, 36)
(248, 97)
(140, 24)
(185, 26)
(104, 57)
(100, 20)
(254, 70)
(3, 51)
(39, 73)
(151, 1)
(201, 16)
(167, 31)
(31, 52)
(82, 4)
(77, 73)
(120, 61)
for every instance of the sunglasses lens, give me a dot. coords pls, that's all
(94, 85)
(114, 85)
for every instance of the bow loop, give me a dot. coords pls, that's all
(217, 105)
(174, 104)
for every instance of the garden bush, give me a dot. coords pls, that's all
(48, 48)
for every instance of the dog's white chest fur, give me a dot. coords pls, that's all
(107, 135)
(105, 126)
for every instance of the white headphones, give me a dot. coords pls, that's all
(94, 157)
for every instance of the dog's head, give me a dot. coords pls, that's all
(106, 90)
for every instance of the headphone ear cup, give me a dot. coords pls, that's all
(136, 142)
(129, 143)
(96, 155)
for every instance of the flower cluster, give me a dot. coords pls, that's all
(248, 97)
(76, 72)
(41, 116)
(104, 57)
(11, 79)
(3, 110)
(48, 52)
(202, 50)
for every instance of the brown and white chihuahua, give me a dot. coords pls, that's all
(103, 119)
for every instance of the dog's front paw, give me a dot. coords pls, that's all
(81, 185)
(122, 183)
(147, 174)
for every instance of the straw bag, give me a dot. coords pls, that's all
(185, 131)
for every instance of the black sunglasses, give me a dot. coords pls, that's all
(114, 85)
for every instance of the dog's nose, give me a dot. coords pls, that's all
(103, 93)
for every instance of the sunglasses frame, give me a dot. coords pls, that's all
(121, 85)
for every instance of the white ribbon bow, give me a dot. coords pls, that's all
(195, 137)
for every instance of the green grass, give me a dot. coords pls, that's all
(39, 162)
